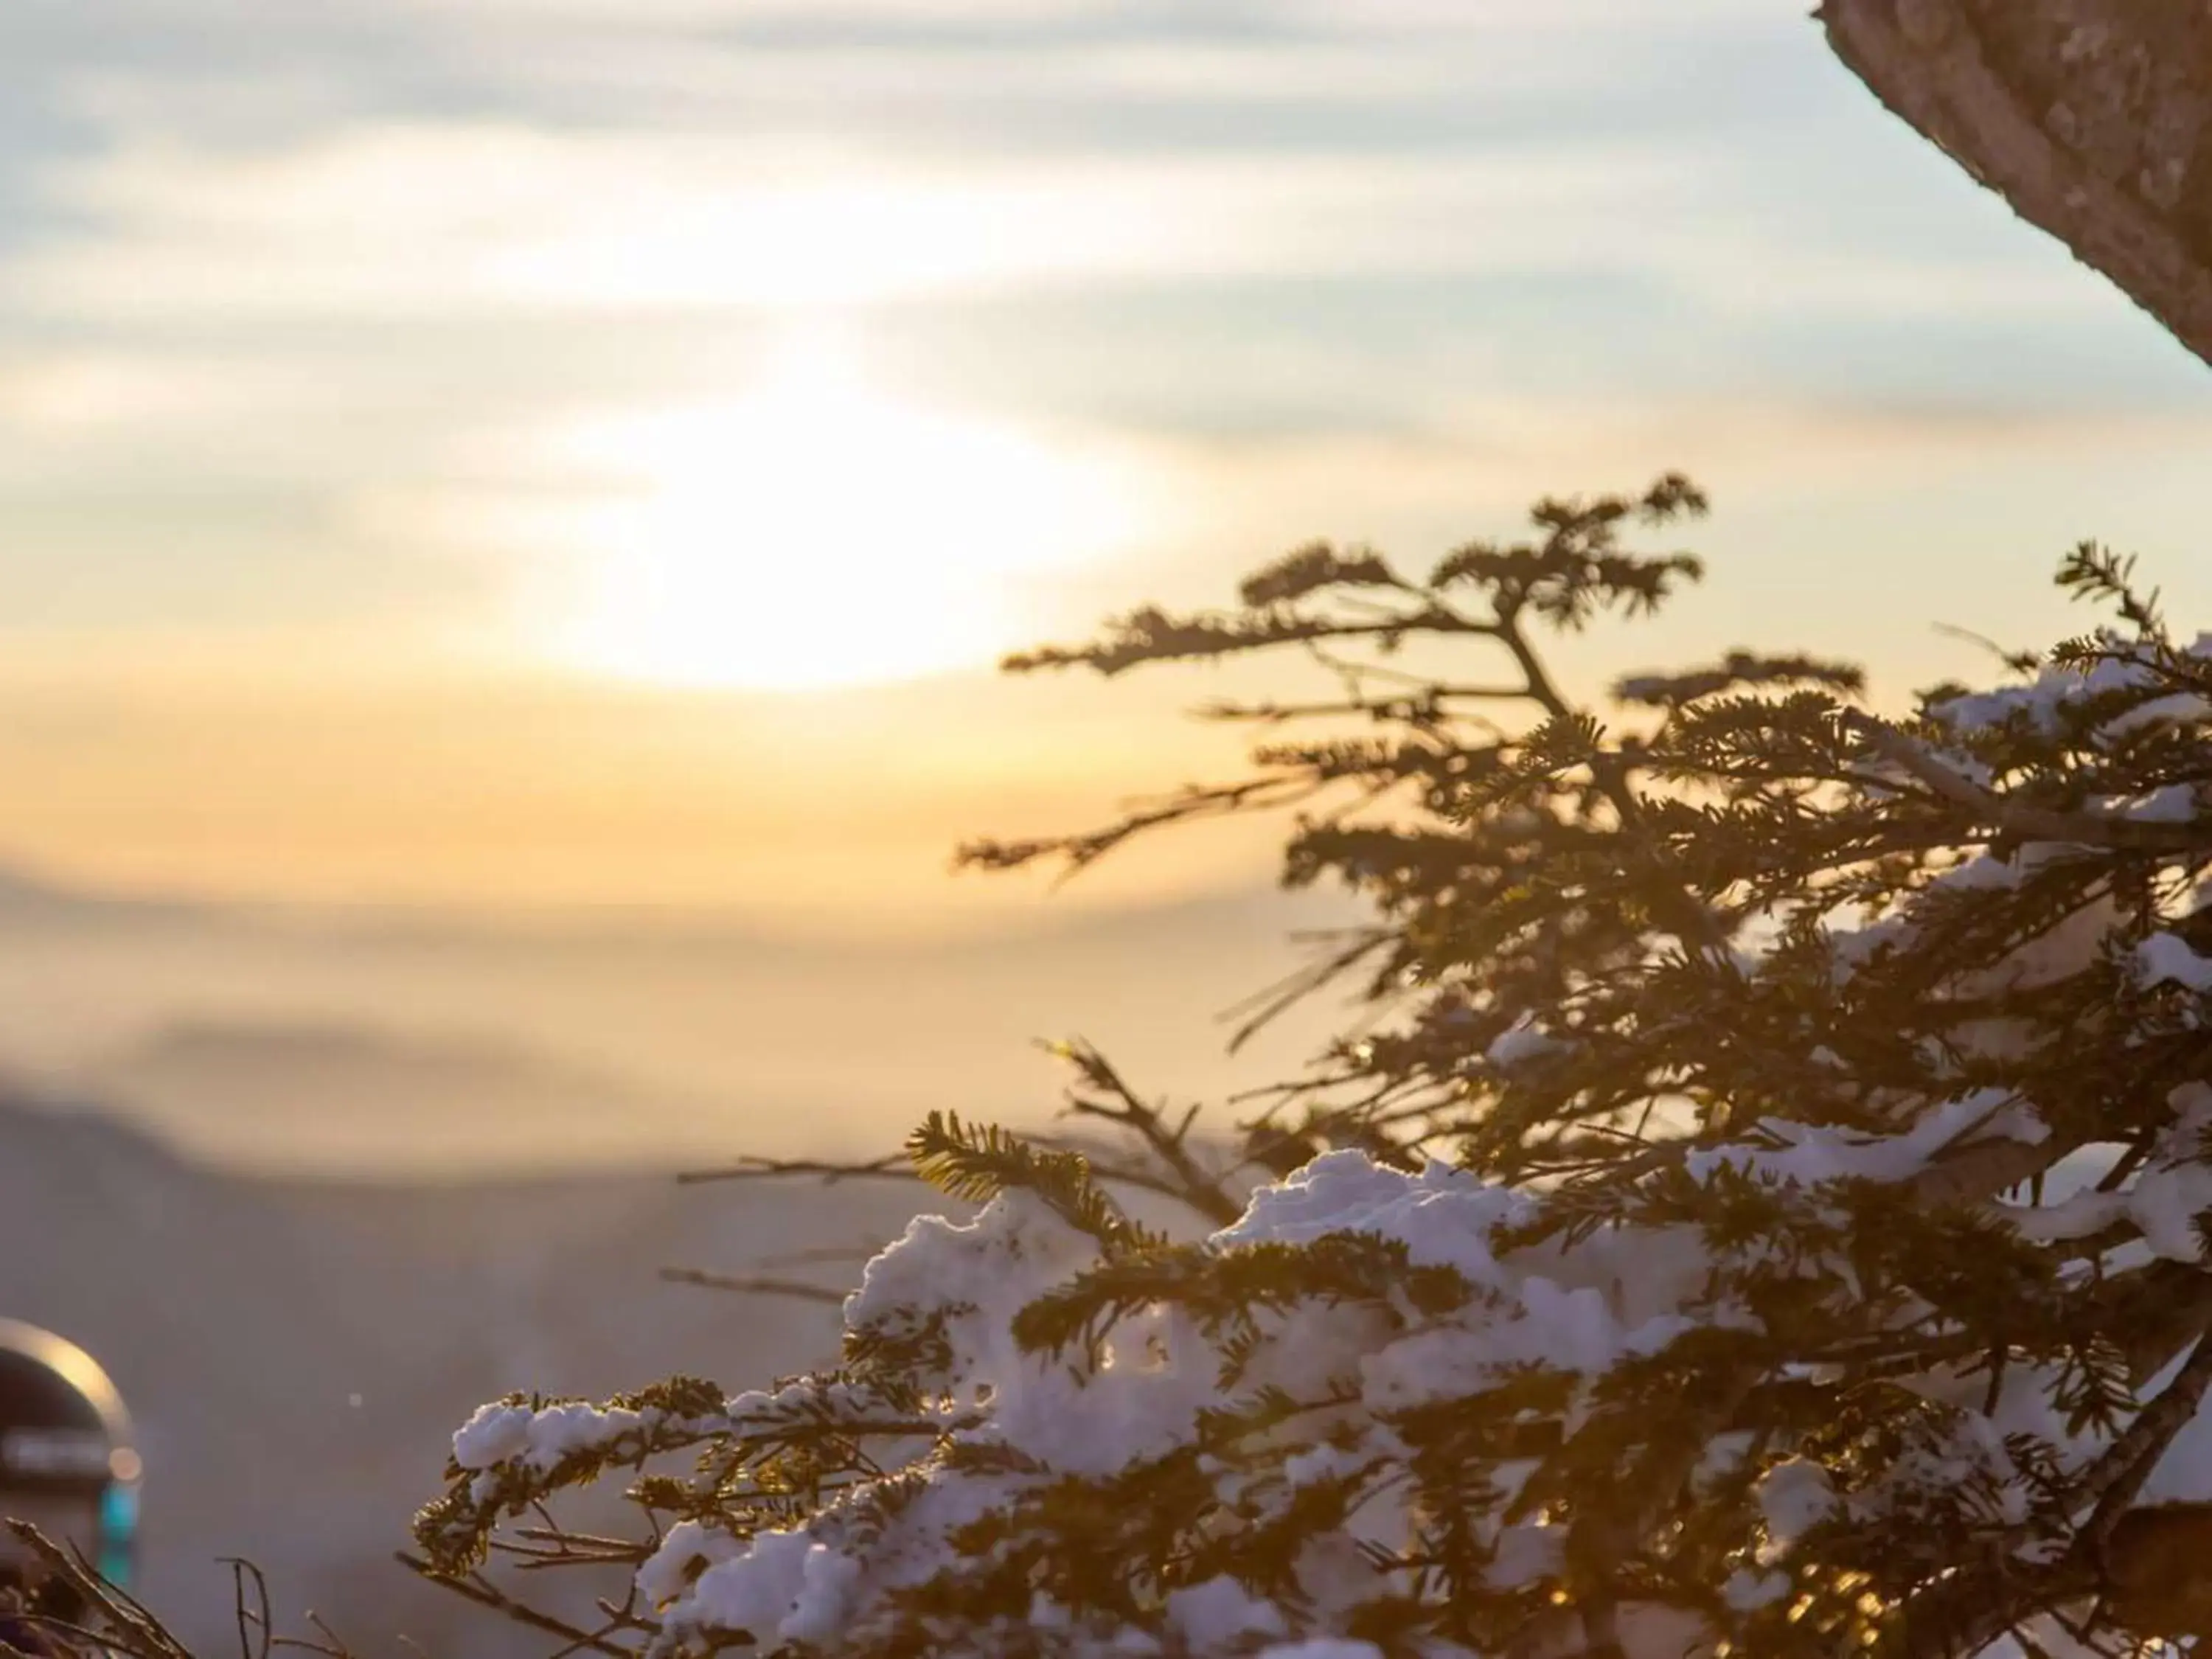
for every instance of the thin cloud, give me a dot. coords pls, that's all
(424, 218)
(285, 290)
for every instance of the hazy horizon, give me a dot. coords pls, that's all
(545, 453)
(485, 479)
(509, 513)
(369, 1043)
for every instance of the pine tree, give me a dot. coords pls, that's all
(1763, 1209)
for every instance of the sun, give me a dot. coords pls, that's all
(818, 534)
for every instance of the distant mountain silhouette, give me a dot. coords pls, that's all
(226, 1049)
(32, 901)
(242, 1081)
(298, 1354)
(388, 1040)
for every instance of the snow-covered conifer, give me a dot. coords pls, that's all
(1762, 1210)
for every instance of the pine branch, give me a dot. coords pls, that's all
(2085, 828)
(977, 1164)
(2117, 1476)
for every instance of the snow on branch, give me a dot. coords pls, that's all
(1761, 1206)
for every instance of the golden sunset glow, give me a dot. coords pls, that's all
(506, 506)
(818, 532)
(405, 498)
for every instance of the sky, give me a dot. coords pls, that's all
(524, 453)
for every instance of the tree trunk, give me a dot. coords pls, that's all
(2093, 118)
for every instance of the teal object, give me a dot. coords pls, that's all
(119, 1533)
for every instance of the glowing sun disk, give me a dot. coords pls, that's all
(818, 534)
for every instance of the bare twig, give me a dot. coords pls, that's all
(592, 1541)
(834, 1255)
(893, 1167)
(1194, 1185)
(487, 1595)
(1256, 1012)
(744, 1285)
(1421, 707)
(248, 1620)
(332, 1646)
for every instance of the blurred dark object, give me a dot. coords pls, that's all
(67, 1460)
